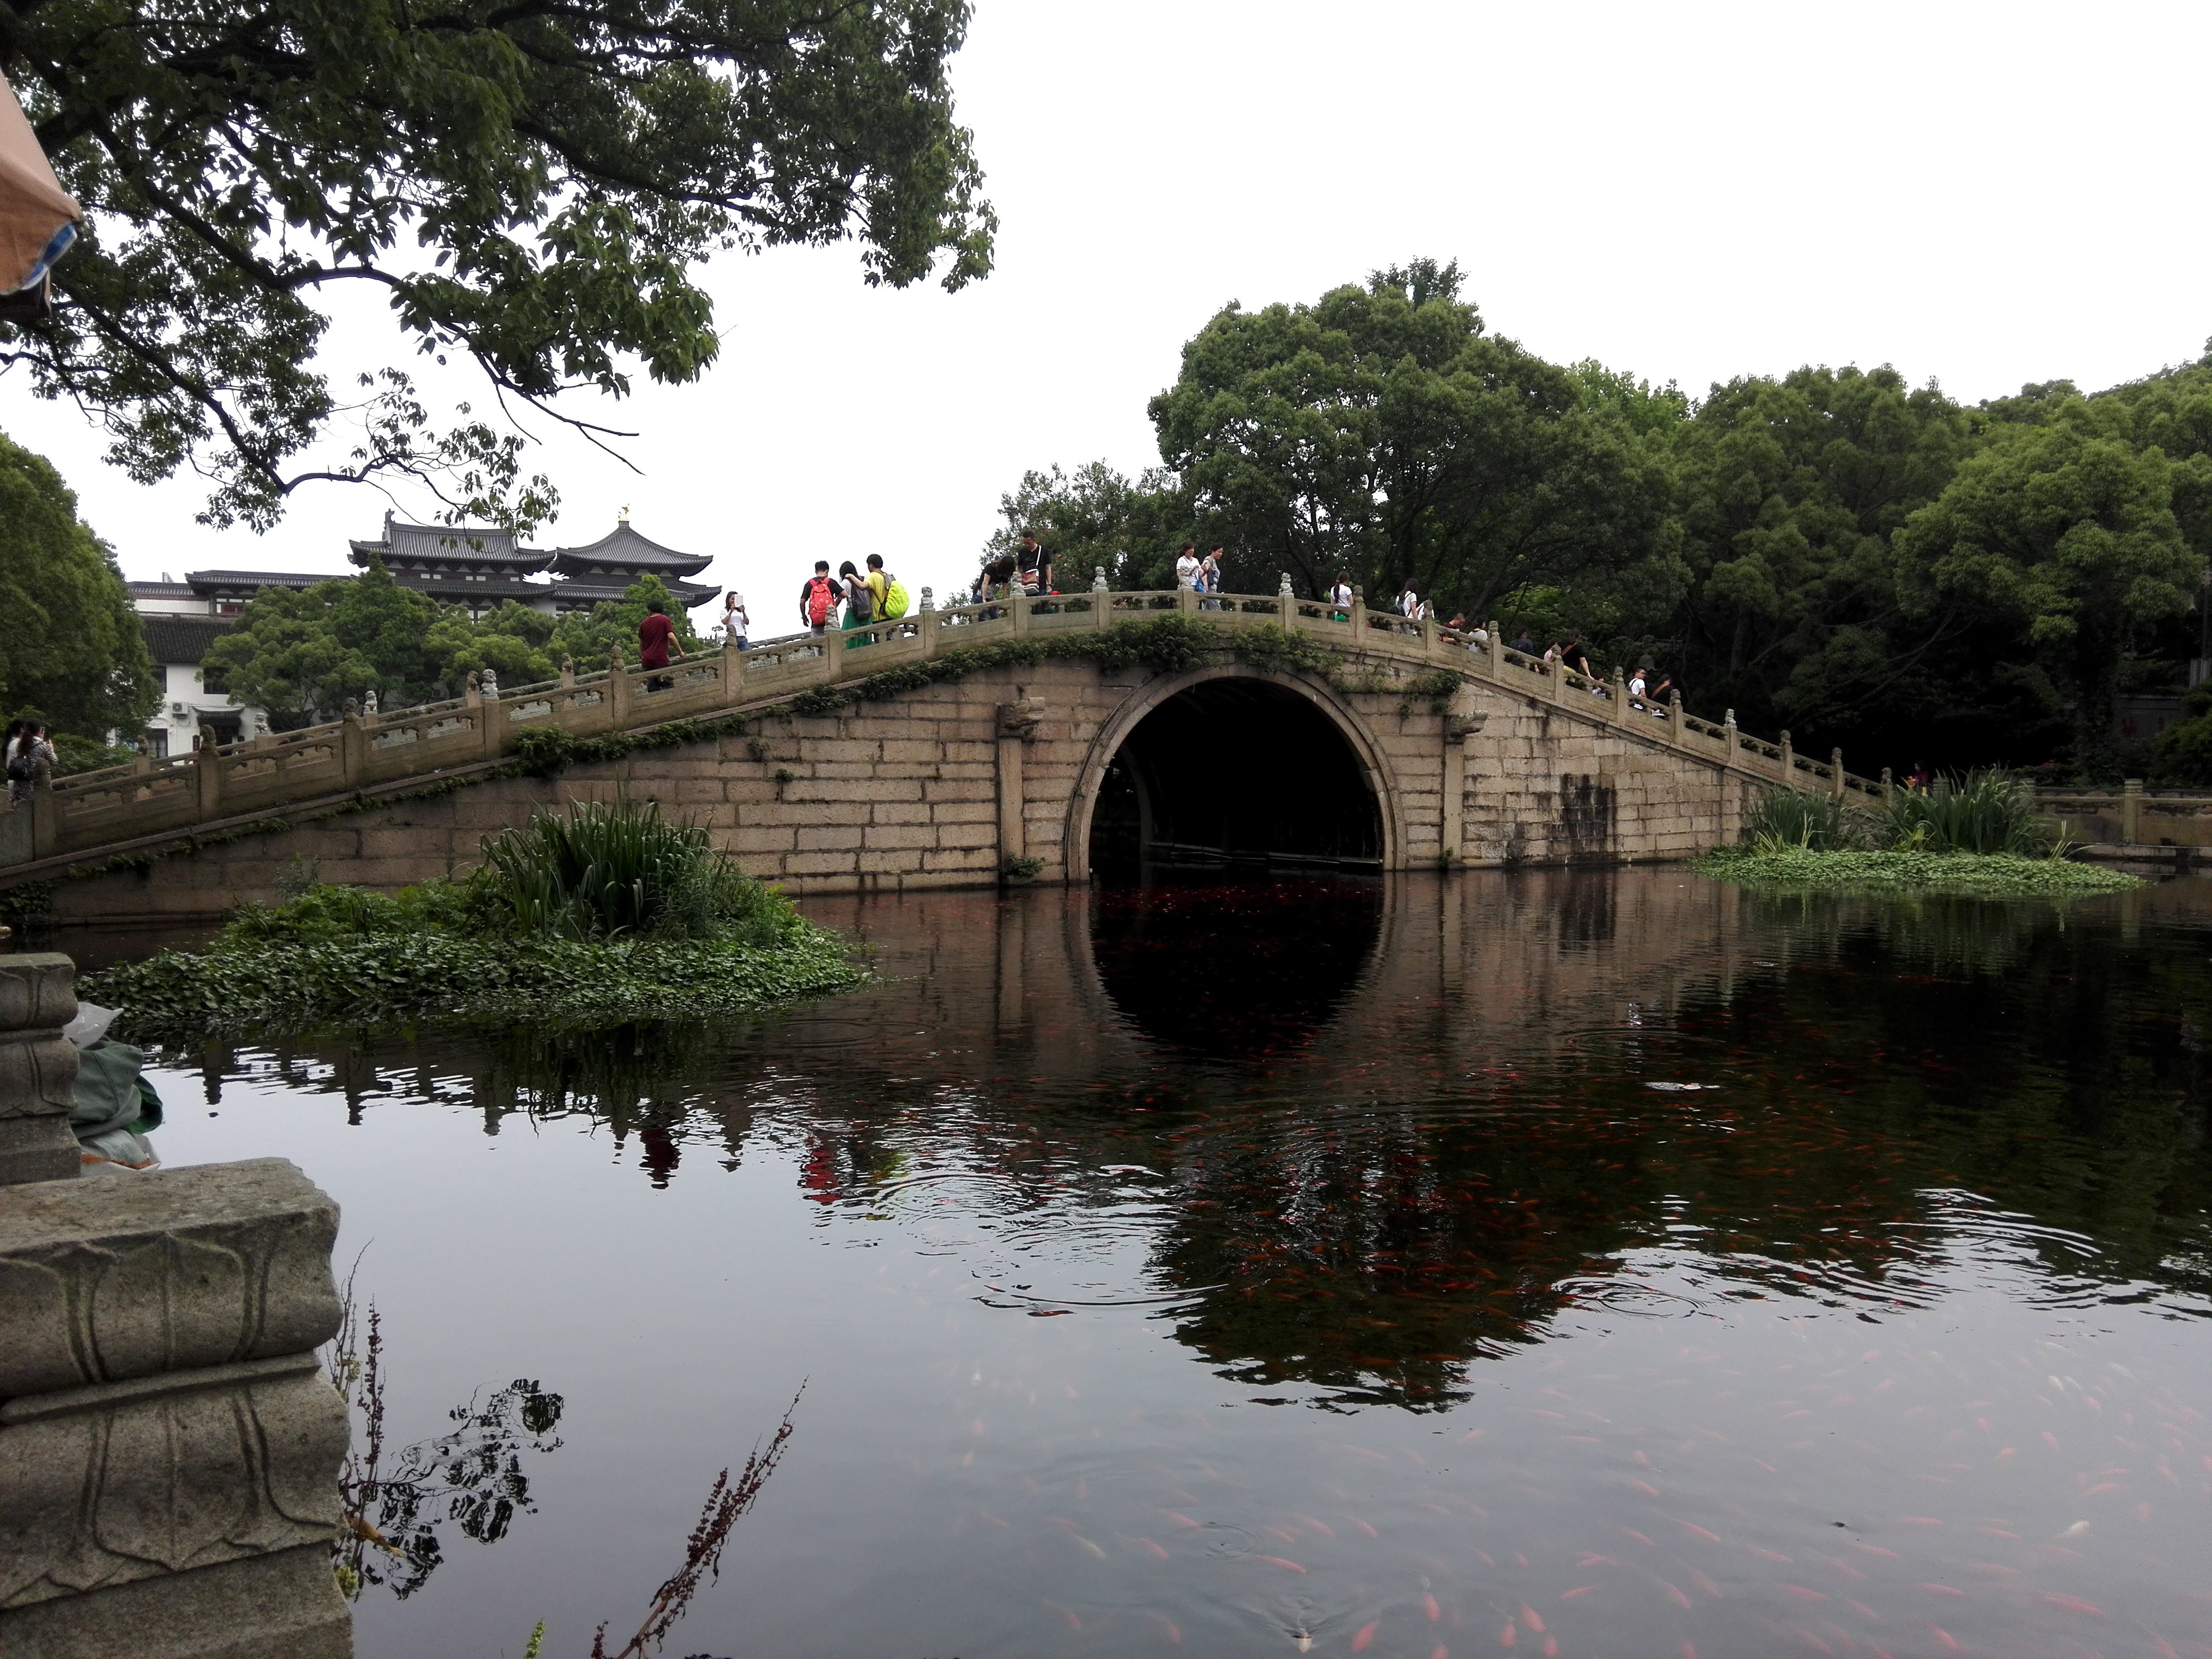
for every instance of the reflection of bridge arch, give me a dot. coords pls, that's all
(1373, 766)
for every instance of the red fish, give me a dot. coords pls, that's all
(1363, 1635)
(2071, 1604)
(1428, 1606)
(1277, 1561)
(1534, 1619)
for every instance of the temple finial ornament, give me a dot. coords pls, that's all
(623, 517)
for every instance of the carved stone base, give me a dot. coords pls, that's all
(284, 1606)
(169, 1448)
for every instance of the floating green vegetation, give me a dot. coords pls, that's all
(605, 913)
(1996, 875)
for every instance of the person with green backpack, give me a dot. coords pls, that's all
(890, 592)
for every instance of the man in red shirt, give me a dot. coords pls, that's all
(654, 635)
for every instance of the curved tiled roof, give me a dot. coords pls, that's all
(182, 640)
(575, 592)
(469, 545)
(624, 549)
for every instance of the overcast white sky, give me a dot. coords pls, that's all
(1984, 195)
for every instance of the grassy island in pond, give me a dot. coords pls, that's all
(609, 912)
(1973, 836)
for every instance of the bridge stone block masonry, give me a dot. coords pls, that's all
(1046, 739)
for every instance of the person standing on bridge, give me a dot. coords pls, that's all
(654, 635)
(819, 598)
(859, 602)
(28, 757)
(737, 624)
(1032, 568)
(1189, 572)
(1339, 596)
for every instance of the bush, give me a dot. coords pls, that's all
(73, 754)
(1988, 810)
(322, 914)
(2181, 756)
(1807, 820)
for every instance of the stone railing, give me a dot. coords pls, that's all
(370, 751)
(2130, 815)
(169, 1448)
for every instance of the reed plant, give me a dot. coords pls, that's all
(1805, 820)
(1987, 811)
(607, 869)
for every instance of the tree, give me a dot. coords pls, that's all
(532, 184)
(70, 649)
(300, 652)
(2065, 530)
(1096, 517)
(1790, 490)
(1382, 431)
(611, 625)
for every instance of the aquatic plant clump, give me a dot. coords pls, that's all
(606, 914)
(1997, 875)
(382, 975)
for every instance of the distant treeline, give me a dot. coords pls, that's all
(1870, 564)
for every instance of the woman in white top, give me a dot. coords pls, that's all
(1189, 572)
(737, 624)
(1409, 602)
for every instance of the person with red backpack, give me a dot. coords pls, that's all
(819, 599)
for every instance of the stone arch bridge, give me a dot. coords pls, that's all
(1046, 739)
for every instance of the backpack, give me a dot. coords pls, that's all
(895, 600)
(821, 595)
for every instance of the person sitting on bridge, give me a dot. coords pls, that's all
(819, 597)
(654, 635)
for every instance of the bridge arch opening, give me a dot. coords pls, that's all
(1236, 773)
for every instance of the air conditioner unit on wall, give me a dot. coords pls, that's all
(180, 711)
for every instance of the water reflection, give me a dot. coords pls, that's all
(1367, 1274)
(1210, 967)
(1359, 1150)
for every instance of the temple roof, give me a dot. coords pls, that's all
(183, 640)
(622, 548)
(204, 582)
(470, 545)
(579, 592)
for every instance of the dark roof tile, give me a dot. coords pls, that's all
(183, 640)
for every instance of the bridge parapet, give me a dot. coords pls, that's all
(372, 752)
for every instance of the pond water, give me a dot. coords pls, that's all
(1573, 1264)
